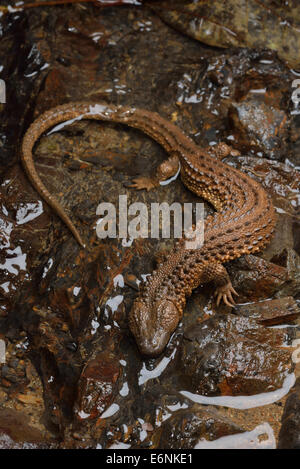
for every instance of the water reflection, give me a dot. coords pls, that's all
(244, 402)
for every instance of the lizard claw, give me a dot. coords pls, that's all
(225, 293)
(234, 152)
(143, 183)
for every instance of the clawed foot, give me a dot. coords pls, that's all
(143, 183)
(225, 293)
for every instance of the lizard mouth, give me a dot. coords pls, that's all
(154, 347)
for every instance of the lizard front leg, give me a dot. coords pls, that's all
(164, 171)
(217, 273)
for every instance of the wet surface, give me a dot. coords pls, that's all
(289, 432)
(249, 23)
(73, 377)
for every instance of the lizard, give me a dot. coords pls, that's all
(243, 223)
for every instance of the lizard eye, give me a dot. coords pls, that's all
(168, 315)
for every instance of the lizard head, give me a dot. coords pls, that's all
(153, 325)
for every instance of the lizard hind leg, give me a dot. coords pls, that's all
(164, 171)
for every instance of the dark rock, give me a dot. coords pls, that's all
(13, 363)
(226, 25)
(256, 279)
(9, 374)
(289, 436)
(16, 426)
(290, 259)
(259, 125)
(97, 385)
(271, 312)
(295, 139)
(186, 427)
(232, 356)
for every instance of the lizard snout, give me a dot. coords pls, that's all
(153, 326)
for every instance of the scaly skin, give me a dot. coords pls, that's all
(243, 224)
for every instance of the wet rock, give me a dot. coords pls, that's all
(9, 374)
(289, 436)
(272, 25)
(3, 396)
(259, 125)
(186, 427)
(59, 369)
(283, 236)
(13, 377)
(22, 220)
(97, 385)
(24, 69)
(291, 261)
(261, 437)
(269, 313)
(13, 363)
(15, 425)
(295, 139)
(7, 443)
(233, 356)
(256, 279)
(29, 399)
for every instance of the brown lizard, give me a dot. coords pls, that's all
(243, 224)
